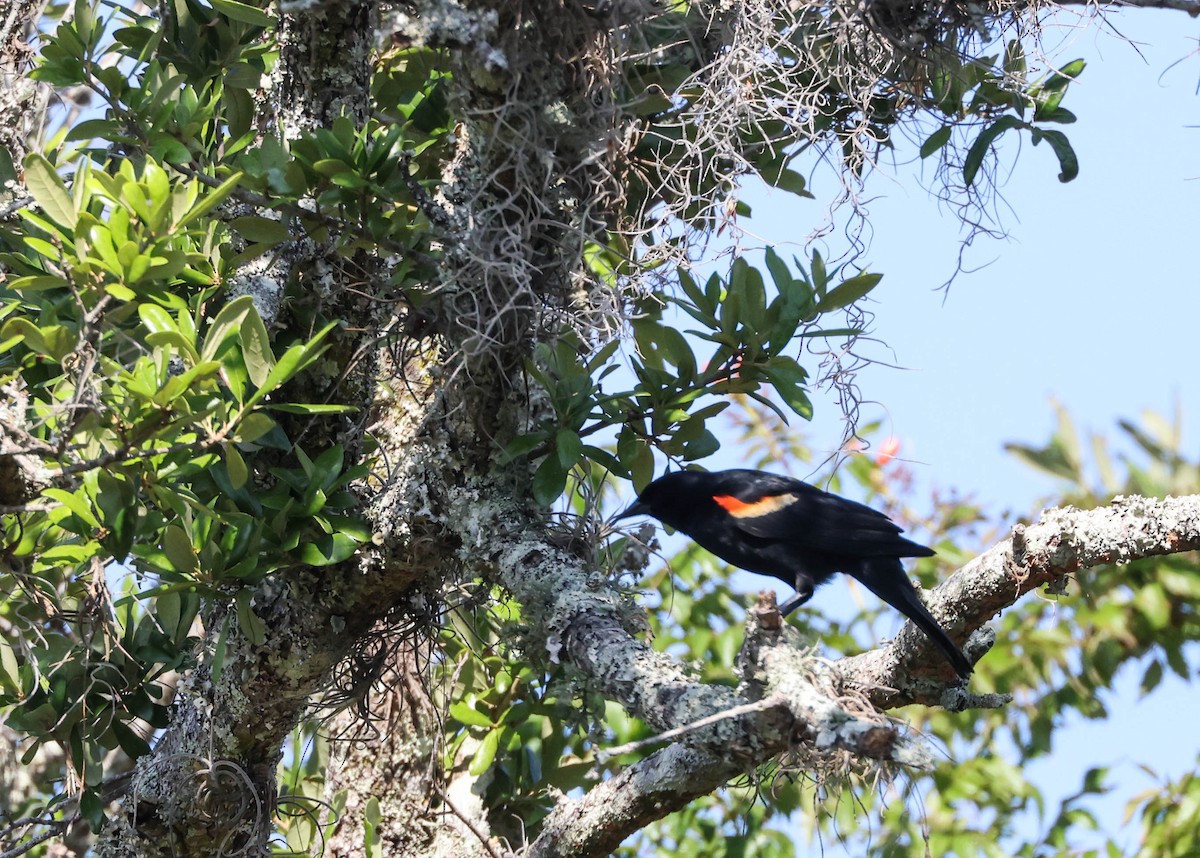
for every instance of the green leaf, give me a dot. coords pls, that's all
(372, 816)
(26, 331)
(60, 341)
(521, 445)
(225, 325)
(983, 142)
(92, 129)
(177, 546)
(485, 754)
(235, 466)
(569, 447)
(91, 808)
(781, 275)
(1068, 162)
(1048, 96)
(788, 377)
(327, 467)
(309, 408)
(235, 11)
(936, 140)
(1151, 678)
(251, 624)
(256, 348)
(466, 714)
(1154, 605)
(48, 189)
(1053, 459)
(155, 318)
(37, 283)
(75, 502)
(292, 362)
(253, 426)
(261, 230)
(170, 149)
(167, 611)
(549, 481)
(10, 669)
(131, 743)
(793, 183)
(329, 548)
(1060, 115)
(218, 659)
(211, 200)
(642, 466)
(848, 291)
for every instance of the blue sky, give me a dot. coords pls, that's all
(1093, 301)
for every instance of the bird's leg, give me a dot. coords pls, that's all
(804, 591)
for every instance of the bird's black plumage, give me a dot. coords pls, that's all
(795, 532)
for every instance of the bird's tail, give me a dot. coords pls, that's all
(885, 577)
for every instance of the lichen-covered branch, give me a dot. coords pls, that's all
(1060, 543)
(599, 821)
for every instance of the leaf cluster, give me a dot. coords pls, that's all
(745, 330)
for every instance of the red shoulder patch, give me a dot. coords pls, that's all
(752, 509)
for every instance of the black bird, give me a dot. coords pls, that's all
(778, 526)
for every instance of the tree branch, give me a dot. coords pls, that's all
(1060, 543)
(597, 823)
(905, 671)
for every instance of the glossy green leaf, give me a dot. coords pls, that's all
(328, 549)
(75, 502)
(48, 189)
(848, 291)
(242, 12)
(129, 741)
(1068, 162)
(485, 754)
(309, 408)
(10, 669)
(466, 714)
(37, 283)
(983, 142)
(211, 200)
(522, 445)
(91, 808)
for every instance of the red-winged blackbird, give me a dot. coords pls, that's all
(798, 533)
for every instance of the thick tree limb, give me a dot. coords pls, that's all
(1060, 543)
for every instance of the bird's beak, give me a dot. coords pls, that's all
(635, 508)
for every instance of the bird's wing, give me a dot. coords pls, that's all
(804, 515)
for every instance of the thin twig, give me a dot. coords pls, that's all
(11, 208)
(487, 845)
(733, 712)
